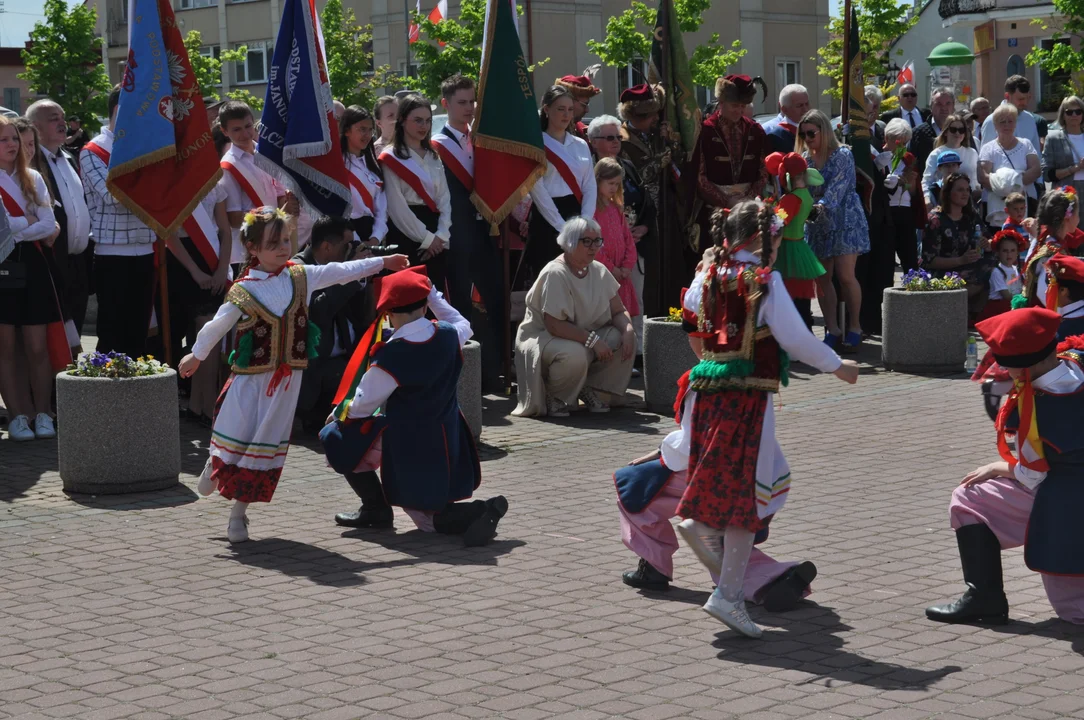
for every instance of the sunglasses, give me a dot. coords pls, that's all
(957, 130)
(909, 95)
(808, 134)
(591, 242)
(608, 138)
(1077, 111)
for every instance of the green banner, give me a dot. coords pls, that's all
(670, 66)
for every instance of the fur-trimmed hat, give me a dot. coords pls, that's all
(735, 88)
(640, 100)
(579, 85)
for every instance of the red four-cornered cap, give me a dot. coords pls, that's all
(403, 289)
(1021, 338)
(1066, 267)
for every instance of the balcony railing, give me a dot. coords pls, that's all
(949, 8)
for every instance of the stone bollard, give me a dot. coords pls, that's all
(470, 387)
(667, 356)
(924, 331)
(118, 435)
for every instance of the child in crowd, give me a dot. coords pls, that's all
(948, 163)
(255, 411)
(738, 477)
(1016, 208)
(795, 261)
(1005, 279)
(1058, 218)
(618, 252)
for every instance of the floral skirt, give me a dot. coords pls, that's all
(726, 444)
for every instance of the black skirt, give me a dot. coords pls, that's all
(542, 237)
(37, 303)
(435, 265)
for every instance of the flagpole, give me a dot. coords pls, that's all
(406, 36)
(845, 84)
(665, 223)
(163, 289)
(506, 329)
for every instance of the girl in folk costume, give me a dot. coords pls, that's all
(255, 412)
(795, 261)
(29, 300)
(1005, 280)
(1058, 216)
(419, 205)
(568, 188)
(369, 211)
(738, 477)
(618, 252)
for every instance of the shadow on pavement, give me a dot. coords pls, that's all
(1054, 628)
(436, 548)
(22, 465)
(810, 643)
(170, 497)
(302, 560)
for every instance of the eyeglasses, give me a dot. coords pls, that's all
(808, 134)
(1071, 111)
(591, 242)
(957, 130)
(914, 94)
(608, 138)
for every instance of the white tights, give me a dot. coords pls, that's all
(737, 546)
(238, 510)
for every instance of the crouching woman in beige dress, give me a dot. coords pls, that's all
(576, 340)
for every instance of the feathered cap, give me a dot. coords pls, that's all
(641, 100)
(579, 85)
(736, 88)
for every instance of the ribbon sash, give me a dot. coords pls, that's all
(555, 153)
(11, 204)
(455, 158)
(359, 186)
(413, 174)
(204, 233)
(238, 174)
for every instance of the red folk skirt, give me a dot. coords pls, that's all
(727, 426)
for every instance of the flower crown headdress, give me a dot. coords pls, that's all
(251, 215)
(1069, 191)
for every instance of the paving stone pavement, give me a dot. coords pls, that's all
(137, 607)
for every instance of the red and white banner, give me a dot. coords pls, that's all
(907, 74)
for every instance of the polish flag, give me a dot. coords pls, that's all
(415, 32)
(907, 75)
(440, 12)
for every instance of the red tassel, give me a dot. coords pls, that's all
(283, 371)
(1051, 293)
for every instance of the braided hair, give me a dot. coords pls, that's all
(734, 228)
(1053, 209)
(252, 235)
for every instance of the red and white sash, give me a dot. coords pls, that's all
(455, 158)
(359, 182)
(247, 181)
(101, 146)
(412, 173)
(202, 230)
(562, 162)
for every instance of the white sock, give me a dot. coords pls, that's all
(238, 509)
(737, 546)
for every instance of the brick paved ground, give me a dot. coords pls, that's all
(138, 607)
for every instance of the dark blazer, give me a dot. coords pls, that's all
(781, 139)
(922, 139)
(335, 308)
(60, 247)
(464, 215)
(897, 113)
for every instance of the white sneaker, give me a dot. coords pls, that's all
(206, 485)
(237, 530)
(556, 408)
(706, 542)
(593, 402)
(19, 429)
(43, 427)
(733, 615)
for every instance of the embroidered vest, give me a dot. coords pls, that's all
(738, 355)
(265, 340)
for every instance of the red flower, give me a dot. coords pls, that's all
(908, 159)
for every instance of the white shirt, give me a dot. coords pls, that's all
(676, 446)
(464, 141)
(969, 165)
(21, 228)
(913, 117)
(401, 196)
(237, 200)
(1077, 143)
(1066, 378)
(70, 188)
(1004, 277)
(1072, 310)
(377, 385)
(1016, 159)
(373, 184)
(1026, 129)
(898, 195)
(552, 185)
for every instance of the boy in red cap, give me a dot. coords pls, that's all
(1065, 293)
(1033, 499)
(404, 418)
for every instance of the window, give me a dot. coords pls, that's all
(12, 100)
(1052, 87)
(633, 74)
(193, 4)
(787, 72)
(256, 64)
(413, 68)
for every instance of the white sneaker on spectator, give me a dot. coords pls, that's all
(705, 542)
(593, 402)
(19, 429)
(237, 530)
(733, 615)
(556, 408)
(43, 427)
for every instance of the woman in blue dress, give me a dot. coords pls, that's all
(840, 234)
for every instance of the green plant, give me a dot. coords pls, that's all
(879, 23)
(349, 47)
(1064, 25)
(114, 365)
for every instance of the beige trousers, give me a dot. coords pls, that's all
(568, 367)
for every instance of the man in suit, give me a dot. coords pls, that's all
(908, 109)
(71, 211)
(923, 137)
(473, 258)
(793, 104)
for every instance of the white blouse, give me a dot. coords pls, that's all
(401, 196)
(553, 185)
(969, 165)
(22, 230)
(380, 202)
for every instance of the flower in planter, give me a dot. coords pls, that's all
(114, 365)
(674, 315)
(919, 281)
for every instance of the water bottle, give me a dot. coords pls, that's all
(972, 362)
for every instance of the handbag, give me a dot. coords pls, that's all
(12, 276)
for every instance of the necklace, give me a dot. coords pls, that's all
(578, 273)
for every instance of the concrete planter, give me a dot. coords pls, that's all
(470, 387)
(667, 356)
(118, 435)
(924, 332)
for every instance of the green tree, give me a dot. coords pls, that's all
(208, 71)
(64, 62)
(1060, 59)
(354, 80)
(629, 35)
(879, 23)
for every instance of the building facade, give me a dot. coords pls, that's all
(781, 37)
(16, 94)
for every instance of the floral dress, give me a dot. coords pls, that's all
(842, 228)
(948, 238)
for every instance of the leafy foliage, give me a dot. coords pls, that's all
(64, 62)
(349, 46)
(879, 23)
(1066, 24)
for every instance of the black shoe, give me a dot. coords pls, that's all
(785, 591)
(646, 577)
(380, 519)
(984, 602)
(484, 529)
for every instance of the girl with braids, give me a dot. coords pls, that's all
(1058, 216)
(738, 477)
(255, 410)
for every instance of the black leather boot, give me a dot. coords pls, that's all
(785, 591)
(984, 602)
(484, 529)
(646, 577)
(374, 513)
